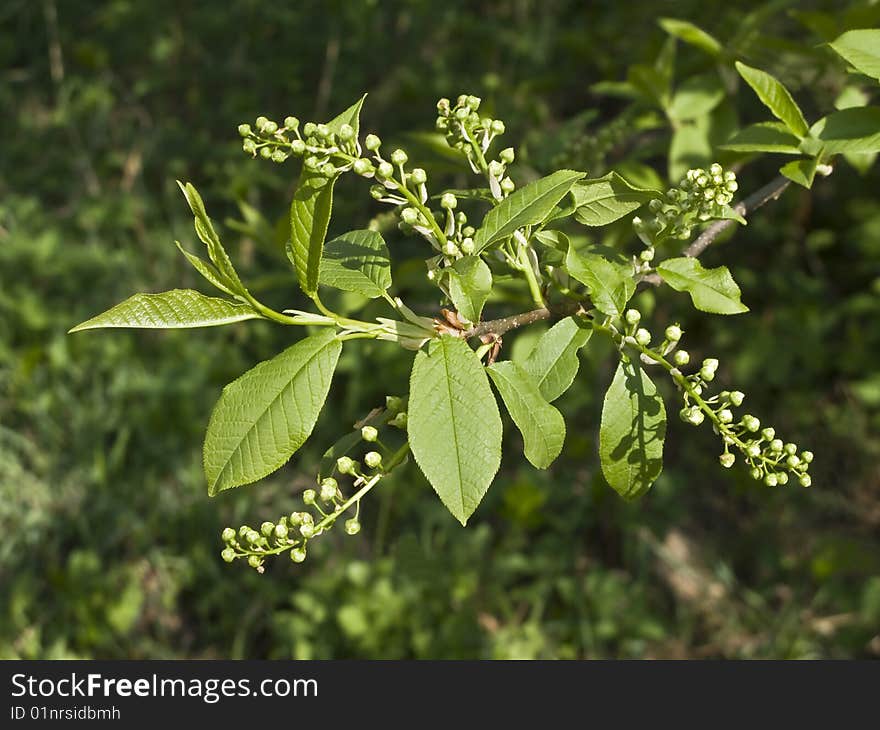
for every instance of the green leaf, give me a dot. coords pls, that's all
(527, 206)
(801, 172)
(453, 424)
(173, 309)
(764, 137)
(470, 283)
(264, 416)
(541, 425)
(310, 214)
(775, 97)
(357, 261)
(632, 431)
(695, 97)
(862, 49)
(690, 33)
(553, 363)
(205, 231)
(311, 209)
(690, 147)
(856, 129)
(611, 285)
(711, 290)
(606, 199)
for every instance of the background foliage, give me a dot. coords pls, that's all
(109, 543)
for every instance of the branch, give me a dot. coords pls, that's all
(498, 327)
(771, 191)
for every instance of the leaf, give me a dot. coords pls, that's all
(856, 129)
(862, 49)
(310, 212)
(632, 431)
(696, 96)
(606, 199)
(775, 97)
(611, 285)
(470, 282)
(690, 33)
(711, 290)
(207, 234)
(689, 148)
(530, 204)
(764, 137)
(357, 261)
(553, 363)
(206, 270)
(453, 424)
(541, 425)
(264, 416)
(178, 308)
(801, 172)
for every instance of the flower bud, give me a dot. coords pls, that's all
(373, 459)
(309, 496)
(725, 416)
(296, 518)
(633, 316)
(682, 358)
(261, 123)
(805, 480)
(244, 130)
(643, 337)
(737, 398)
(768, 433)
(265, 153)
(673, 333)
(369, 433)
(228, 554)
(793, 461)
(648, 254)
(291, 123)
(399, 157)
(496, 169)
(751, 423)
(253, 537)
(298, 147)
(782, 477)
(419, 176)
(410, 216)
(279, 156)
(362, 166)
(753, 450)
(710, 363)
(249, 146)
(329, 489)
(298, 554)
(807, 456)
(715, 169)
(309, 129)
(346, 133)
(267, 528)
(393, 403)
(507, 185)
(467, 246)
(507, 155)
(776, 446)
(756, 473)
(443, 105)
(473, 102)
(352, 526)
(497, 126)
(281, 531)
(707, 375)
(345, 465)
(255, 561)
(307, 531)
(771, 480)
(448, 201)
(228, 535)
(385, 170)
(727, 460)
(450, 249)
(399, 421)
(377, 192)
(372, 142)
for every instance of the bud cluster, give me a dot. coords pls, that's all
(472, 134)
(701, 195)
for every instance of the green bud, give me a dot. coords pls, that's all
(497, 126)
(352, 526)
(265, 153)
(309, 129)
(725, 416)
(751, 423)
(345, 465)
(291, 123)
(753, 450)
(793, 461)
(253, 537)
(409, 216)
(373, 459)
(737, 398)
(346, 133)
(307, 531)
(507, 155)
(633, 316)
(394, 403)
(768, 433)
(462, 114)
(782, 477)
(467, 246)
(399, 157)
(805, 480)
(298, 147)
(419, 176)
(790, 448)
(473, 102)
(279, 156)
(648, 254)
(448, 201)
(707, 375)
(255, 561)
(362, 166)
(682, 358)
(776, 446)
(807, 456)
(322, 131)
(673, 333)
(281, 531)
(372, 142)
(243, 531)
(298, 554)
(270, 127)
(377, 192)
(385, 170)
(710, 363)
(496, 169)
(443, 105)
(244, 130)
(296, 518)
(369, 433)
(450, 249)
(643, 337)
(329, 489)
(228, 555)
(399, 421)
(249, 146)
(727, 460)
(261, 123)
(309, 496)
(267, 528)
(756, 473)
(329, 169)
(228, 535)
(507, 185)
(771, 480)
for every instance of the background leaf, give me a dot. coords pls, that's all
(470, 283)
(606, 199)
(541, 425)
(856, 129)
(862, 49)
(632, 431)
(264, 416)
(711, 290)
(692, 34)
(453, 424)
(696, 96)
(775, 97)
(764, 137)
(178, 308)
(357, 261)
(530, 204)
(553, 363)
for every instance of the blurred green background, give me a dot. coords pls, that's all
(108, 542)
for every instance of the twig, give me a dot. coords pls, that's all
(499, 326)
(771, 191)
